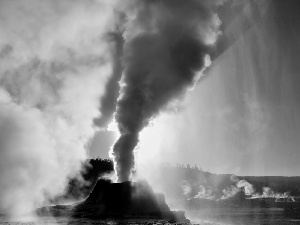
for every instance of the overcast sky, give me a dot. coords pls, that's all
(244, 117)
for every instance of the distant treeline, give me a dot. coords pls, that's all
(191, 182)
(180, 181)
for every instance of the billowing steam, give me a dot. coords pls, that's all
(186, 188)
(249, 190)
(211, 192)
(54, 63)
(240, 185)
(165, 52)
(205, 193)
(58, 58)
(269, 193)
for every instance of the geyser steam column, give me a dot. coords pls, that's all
(166, 50)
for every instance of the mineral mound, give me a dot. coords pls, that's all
(126, 200)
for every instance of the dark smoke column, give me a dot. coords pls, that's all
(165, 51)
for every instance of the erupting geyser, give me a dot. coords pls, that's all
(165, 51)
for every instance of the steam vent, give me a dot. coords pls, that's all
(126, 200)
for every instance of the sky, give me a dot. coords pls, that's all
(243, 117)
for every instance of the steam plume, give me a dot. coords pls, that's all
(54, 65)
(166, 50)
(231, 191)
(109, 99)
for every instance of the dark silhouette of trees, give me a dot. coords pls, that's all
(80, 186)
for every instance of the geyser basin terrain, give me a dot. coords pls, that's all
(119, 200)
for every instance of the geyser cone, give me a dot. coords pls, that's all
(126, 199)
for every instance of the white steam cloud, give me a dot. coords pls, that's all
(205, 193)
(269, 193)
(166, 49)
(237, 187)
(54, 64)
(249, 190)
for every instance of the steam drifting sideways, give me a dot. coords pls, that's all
(54, 63)
(166, 49)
